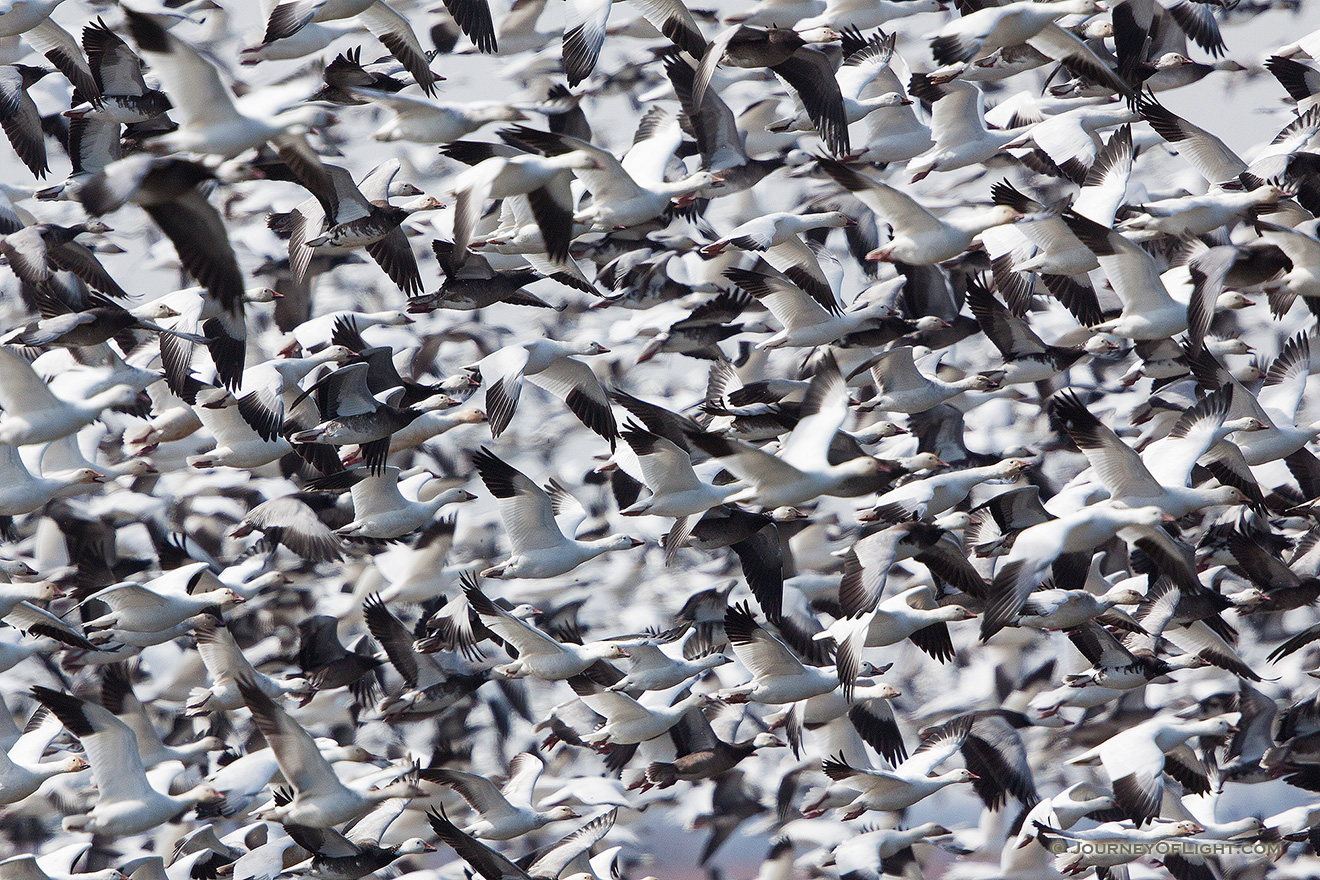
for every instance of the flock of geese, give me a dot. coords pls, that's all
(806, 438)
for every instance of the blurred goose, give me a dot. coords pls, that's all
(1136, 760)
(126, 803)
(226, 664)
(33, 414)
(320, 800)
(381, 512)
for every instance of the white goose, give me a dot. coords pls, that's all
(381, 512)
(550, 365)
(676, 490)
(126, 803)
(226, 664)
(539, 549)
(503, 813)
(21, 492)
(320, 800)
(919, 237)
(32, 414)
(802, 471)
(901, 387)
(778, 676)
(209, 121)
(910, 781)
(1135, 760)
(809, 318)
(539, 655)
(21, 770)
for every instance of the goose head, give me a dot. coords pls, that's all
(1010, 469)
(923, 461)
(41, 591)
(766, 740)
(559, 814)
(1225, 496)
(261, 295)
(586, 348)
(1122, 596)
(889, 99)
(413, 846)
(154, 311)
(605, 650)
(954, 777)
(862, 466)
(82, 477)
(979, 382)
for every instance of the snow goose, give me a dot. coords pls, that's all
(290, 522)
(320, 800)
(1027, 358)
(549, 865)
(543, 179)
(539, 655)
(1149, 313)
(1275, 406)
(785, 52)
(284, 19)
(336, 857)
(33, 414)
(860, 69)
(776, 229)
(675, 488)
(342, 216)
(1037, 547)
(778, 676)
(651, 669)
(978, 34)
(125, 97)
(919, 238)
(1066, 609)
(812, 316)
(351, 415)
(627, 721)
(39, 250)
(868, 622)
(628, 192)
(720, 139)
(902, 388)
(550, 365)
(1199, 215)
(539, 548)
(226, 664)
(1114, 666)
(237, 444)
(21, 770)
(381, 512)
(168, 190)
(908, 783)
(126, 803)
(210, 122)
(931, 496)
(135, 608)
(1136, 759)
(19, 117)
(1126, 476)
(21, 492)
(957, 125)
(427, 122)
(802, 471)
(702, 754)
